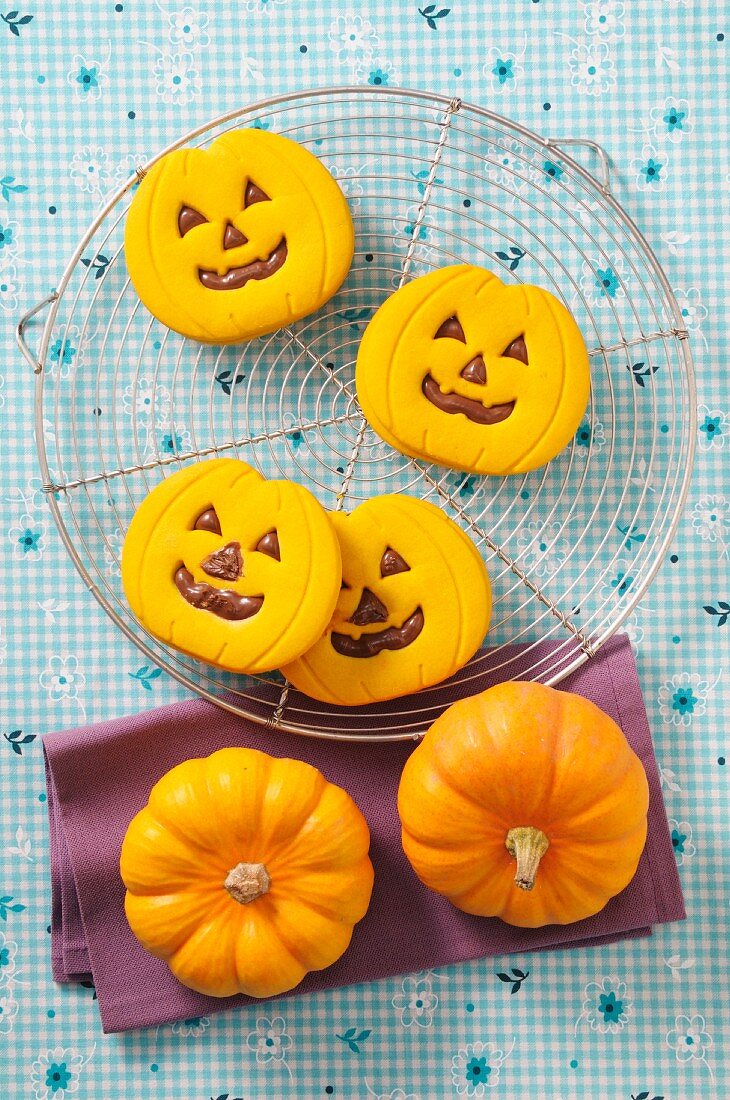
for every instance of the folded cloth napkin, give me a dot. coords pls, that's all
(98, 778)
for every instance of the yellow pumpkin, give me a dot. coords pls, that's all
(235, 570)
(413, 608)
(457, 368)
(244, 872)
(236, 240)
(524, 803)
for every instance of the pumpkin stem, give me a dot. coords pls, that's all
(247, 881)
(527, 845)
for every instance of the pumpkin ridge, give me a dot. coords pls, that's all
(278, 851)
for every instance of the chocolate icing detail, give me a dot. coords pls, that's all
(253, 194)
(451, 328)
(188, 219)
(369, 610)
(208, 521)
(236, 277)
(226, 563)
(269, 544)
(457, 403)
(517, 350)
(233, 238)
(369, 645)
(222, 602)
(391, 563)
(475, 371)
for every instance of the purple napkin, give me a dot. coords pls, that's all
(100, 776)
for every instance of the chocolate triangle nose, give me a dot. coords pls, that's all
(369, 610)
(475, 371)
(233, 237)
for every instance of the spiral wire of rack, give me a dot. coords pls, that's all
(121, 401)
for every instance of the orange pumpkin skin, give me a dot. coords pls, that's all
(188, 902)
(524, 755)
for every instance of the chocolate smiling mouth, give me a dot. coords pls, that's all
(369, 645)
(457, 403)
(236, 277)
(223, 602)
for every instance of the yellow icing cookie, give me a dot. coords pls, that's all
(414, 605)
(235, 570)
(458, 368)
(233, 241)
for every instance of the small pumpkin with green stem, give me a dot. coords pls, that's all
(525, 803)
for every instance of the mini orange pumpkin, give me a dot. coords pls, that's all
(244, 872)
(524, 772)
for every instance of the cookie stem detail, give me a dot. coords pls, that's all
(527, 845)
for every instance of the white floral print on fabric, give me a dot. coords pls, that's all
(9, 289)
(592, 68)
(682, 698)
(416, 1003)
(606, 1006)
(270, 1040)
(650, 168)
(61, 678)
(28, 538)
(475, 1068)
(8, 1011)
(672, 119)
(8, 952)
(542, 548)
(87, 77)
(503, 68)
(711, 520)
(681, 836)
(90, 170)
(352, 39)
(605, 19)
(689, 1039)
(187, 29)
(55, 1074)
(177, 78)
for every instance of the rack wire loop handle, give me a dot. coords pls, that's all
(605, 180)
(21, 327)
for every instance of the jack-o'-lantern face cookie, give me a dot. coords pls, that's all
(414, 605)
(230, 568)
(236, 240)
(458, 368)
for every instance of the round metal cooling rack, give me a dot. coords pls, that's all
(571, 548)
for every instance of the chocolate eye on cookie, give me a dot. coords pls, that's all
(230, 242)
(460, 369)
(230, 568)
(413, 608)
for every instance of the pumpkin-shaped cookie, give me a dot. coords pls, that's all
(238, 571)
(244, 872)
(414, 605)
(524, 803)
(236, 240)
(457, 368)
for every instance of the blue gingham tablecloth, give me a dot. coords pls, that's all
(92, 88)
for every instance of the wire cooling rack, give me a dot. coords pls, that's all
(571, 548)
